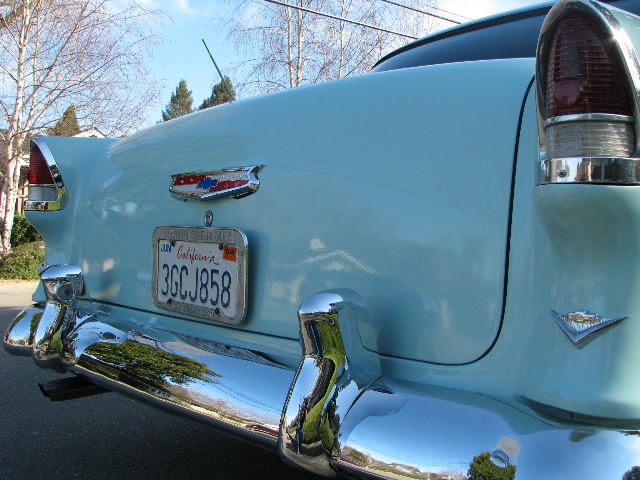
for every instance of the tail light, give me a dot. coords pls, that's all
(587, 73)
(46, 188)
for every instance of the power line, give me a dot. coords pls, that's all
(342, 19)
(447, 11)
(422, 11)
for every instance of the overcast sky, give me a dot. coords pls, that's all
(182, 54)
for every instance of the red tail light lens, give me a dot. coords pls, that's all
(582, 74)
(39, 173)
(46, 189)
(585, 98)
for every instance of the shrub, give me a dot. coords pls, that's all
(22, 263)
(23, 232)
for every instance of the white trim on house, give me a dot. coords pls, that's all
(91, 133)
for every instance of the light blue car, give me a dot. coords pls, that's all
(400, 275)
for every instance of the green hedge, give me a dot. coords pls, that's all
(23, 231)
(22, 263)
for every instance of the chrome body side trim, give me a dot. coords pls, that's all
(335, 414)
(591, 117)
(604, 170)
(58, 192)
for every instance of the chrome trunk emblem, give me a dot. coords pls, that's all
(230, 182)
(582, 326)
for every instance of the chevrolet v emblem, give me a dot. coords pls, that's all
(582, 326)
(230, 182)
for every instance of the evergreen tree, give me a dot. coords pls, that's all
(219, 94)
(67, 126)
(181, 102)
(633, 474)
(482, 468)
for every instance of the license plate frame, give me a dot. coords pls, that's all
(221, 253)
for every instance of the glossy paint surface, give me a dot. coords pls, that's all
(573, 247)
(403, 197)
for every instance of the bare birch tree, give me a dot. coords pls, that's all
(56, 53)
(291, 47)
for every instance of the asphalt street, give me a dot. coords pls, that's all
(108, 436)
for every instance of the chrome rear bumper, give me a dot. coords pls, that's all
(335, 413)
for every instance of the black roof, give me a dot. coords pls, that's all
(513, 35)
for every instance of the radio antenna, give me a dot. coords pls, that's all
(224, 81)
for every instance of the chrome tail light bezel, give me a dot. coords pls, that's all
(51, 196)
(596, 163)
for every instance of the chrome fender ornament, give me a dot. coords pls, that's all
(235, 182)
(582, 326)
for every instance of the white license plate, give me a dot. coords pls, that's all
(200, 272)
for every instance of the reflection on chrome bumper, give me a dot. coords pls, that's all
(335, 414)
(231, 388)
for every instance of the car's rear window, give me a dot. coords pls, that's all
(511, 36)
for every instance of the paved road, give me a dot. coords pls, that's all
(108, 436)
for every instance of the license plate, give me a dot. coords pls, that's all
(200, 272)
